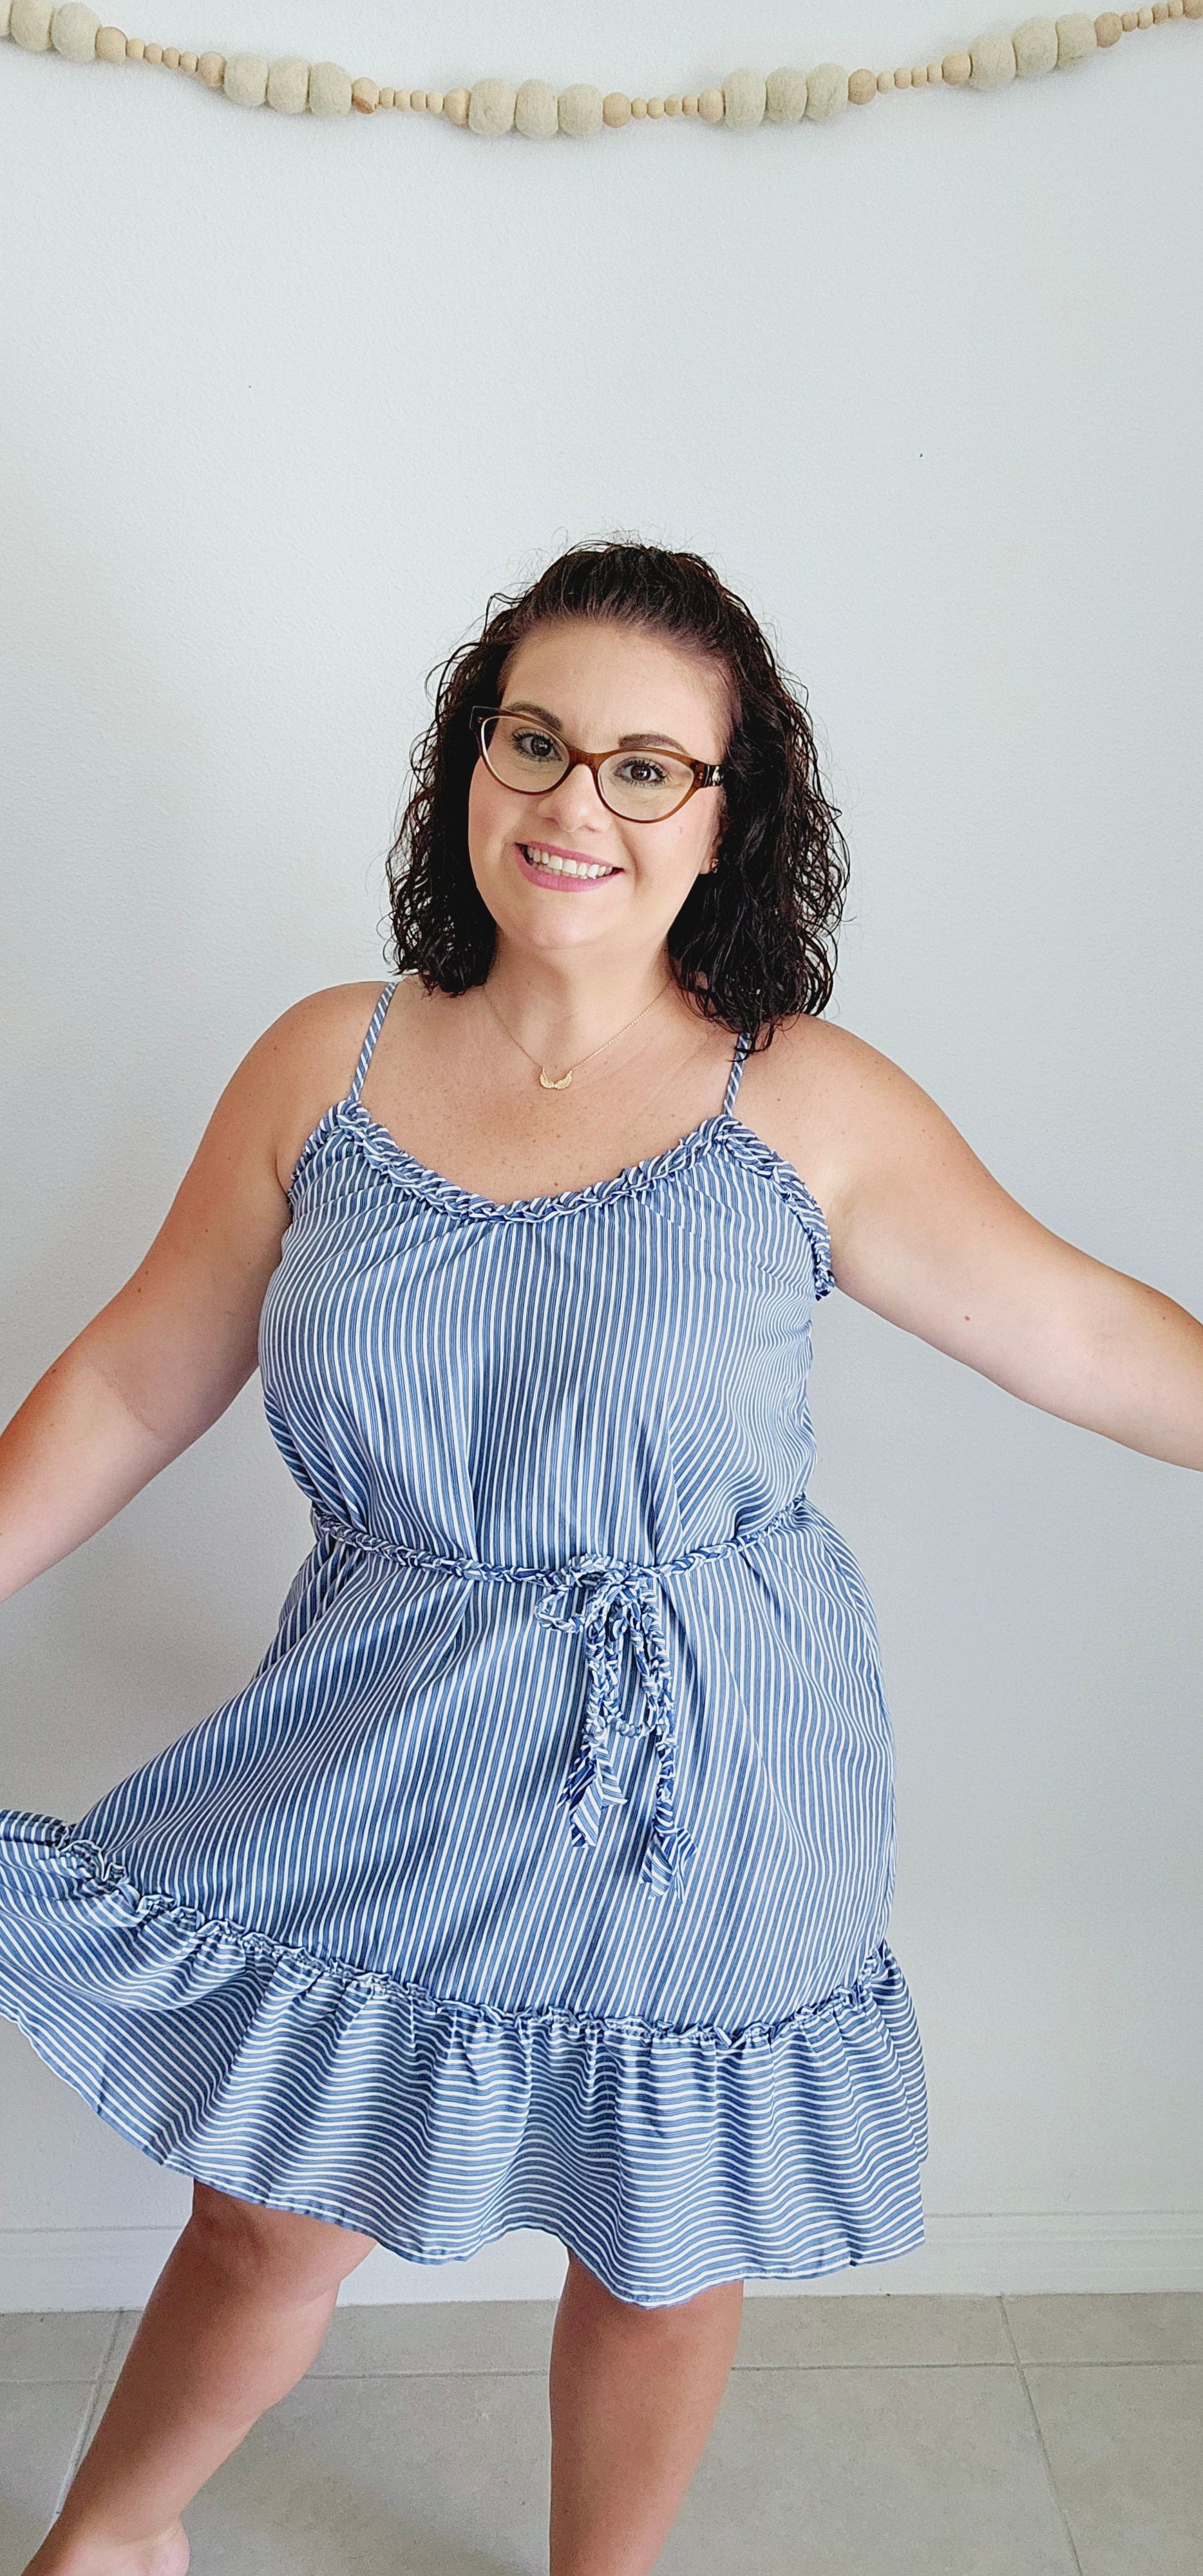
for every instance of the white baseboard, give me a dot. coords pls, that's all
(986, 2255)
(991, 2254)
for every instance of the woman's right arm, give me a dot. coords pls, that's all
(167, 1355)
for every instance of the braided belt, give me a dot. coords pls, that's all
(622, 1601)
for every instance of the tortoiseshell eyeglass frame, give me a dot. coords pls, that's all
(706, 773)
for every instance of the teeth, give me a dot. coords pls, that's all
(563, 867)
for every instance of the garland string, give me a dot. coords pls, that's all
(533, 108)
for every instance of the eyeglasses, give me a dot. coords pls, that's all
(641, 786)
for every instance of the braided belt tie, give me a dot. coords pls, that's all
(622, 1600)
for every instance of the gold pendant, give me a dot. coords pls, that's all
(561, 1085)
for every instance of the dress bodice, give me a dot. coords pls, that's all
(619, 1368)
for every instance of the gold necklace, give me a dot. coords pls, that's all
(546, 1084)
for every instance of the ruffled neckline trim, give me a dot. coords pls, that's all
(777, 1168)
(381, 1148)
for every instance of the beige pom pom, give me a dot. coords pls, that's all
(711, 104)
(862, 86)
(993, 59)
(329, 90)
(885, 81)
(673, 103)
(1192, 8)
(73, 32)
(1108, 28)
(29, 25)
(689, 104)
(135, 50)
(826, 91)
(171, 57)
(288, 85)
(1144, 17)
(744, 98)
(638, 107)
(935, 71)
(434, 102)
(1075, 38)
(616, 107)
(580, 108)
(455, 105)
(655, 107)
(110, 45)
(187, 60)
(365, 96)
(785, 97)
(957, 69)
(211, 69)
(1035, 47)
(535, 110)
(902, 79)
(153, 53)
(246, 79)
(491, 105)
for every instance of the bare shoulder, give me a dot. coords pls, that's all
(921, 1231)
(305, 1061)
(832, 1104)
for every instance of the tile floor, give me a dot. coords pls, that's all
(1058, 2436)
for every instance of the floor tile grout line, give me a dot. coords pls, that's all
(751, 2369)
(537, 2370)
(78, 2447)
(1114, 2361)
(95, 2393)
(761, 2369)
(1041, 2444)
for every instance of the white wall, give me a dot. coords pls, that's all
(285, 402)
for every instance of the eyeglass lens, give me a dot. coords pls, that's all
(642, 785)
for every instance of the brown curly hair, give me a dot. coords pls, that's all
(754, 939)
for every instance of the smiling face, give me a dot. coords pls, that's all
(603, 686)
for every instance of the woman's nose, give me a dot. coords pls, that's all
(575, 793)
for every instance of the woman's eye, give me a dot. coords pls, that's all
(650, 772)
(536, 746)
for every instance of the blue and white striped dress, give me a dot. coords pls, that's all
(539, 1876)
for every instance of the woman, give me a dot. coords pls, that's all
(540, 1875)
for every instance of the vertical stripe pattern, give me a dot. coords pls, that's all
(540, 1874)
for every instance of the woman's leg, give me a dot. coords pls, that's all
(235, 2319)
(633, 2393)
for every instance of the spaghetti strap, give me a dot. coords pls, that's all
(737, 1066)
(375, 1025)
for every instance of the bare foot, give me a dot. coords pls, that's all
(166, 2555)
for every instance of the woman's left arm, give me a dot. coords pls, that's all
(923, 1234)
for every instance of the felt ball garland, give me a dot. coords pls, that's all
(532, 108)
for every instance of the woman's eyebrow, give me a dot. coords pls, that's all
(626, 741)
